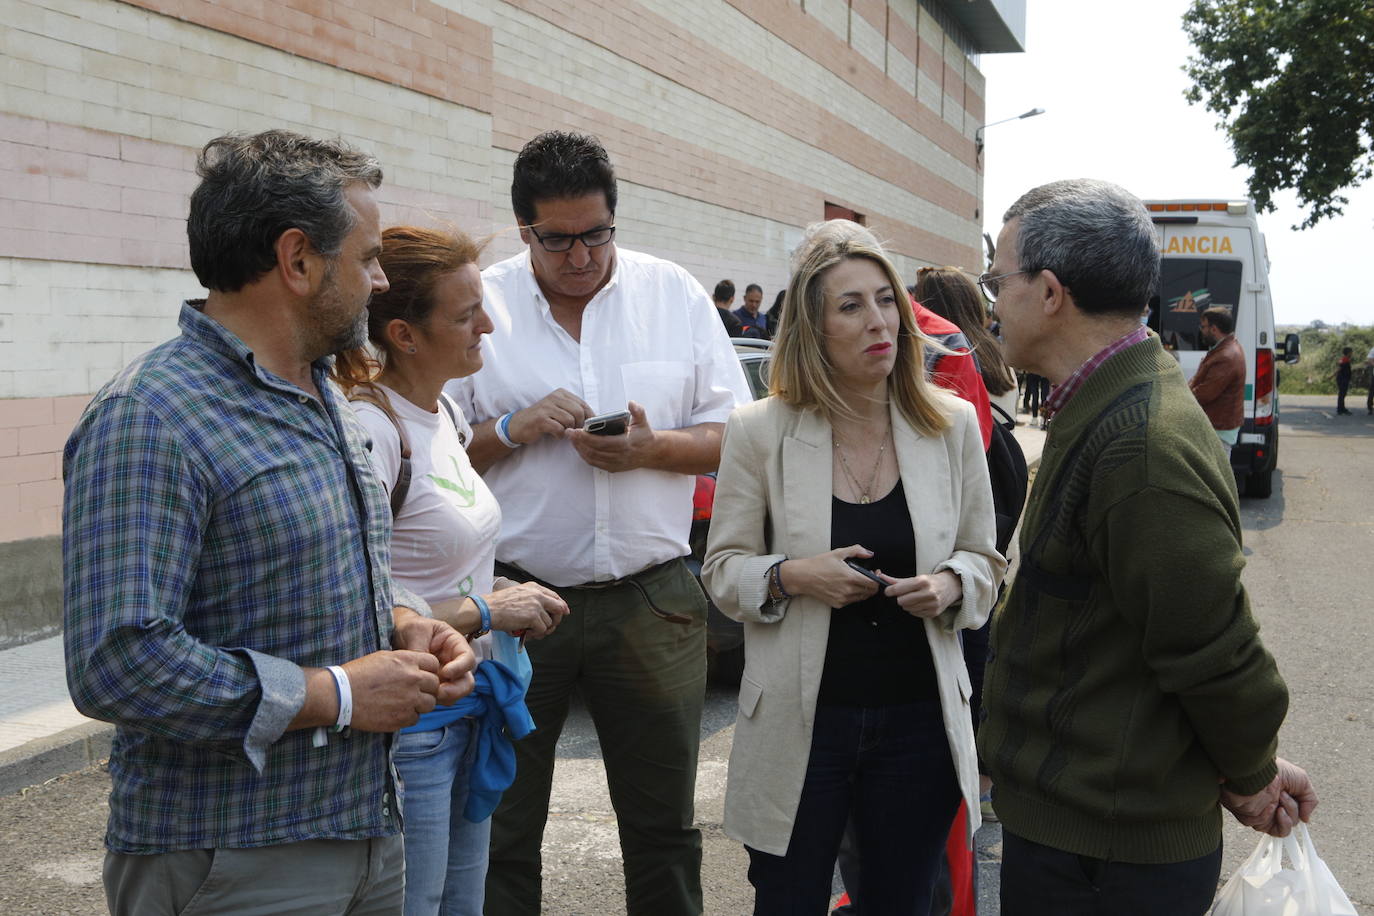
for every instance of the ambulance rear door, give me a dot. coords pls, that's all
(1201, 267)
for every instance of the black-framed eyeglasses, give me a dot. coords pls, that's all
(592, 238)
(990, 285)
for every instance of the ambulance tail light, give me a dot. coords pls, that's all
(1264, 387)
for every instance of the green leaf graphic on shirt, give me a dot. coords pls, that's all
(467, 491)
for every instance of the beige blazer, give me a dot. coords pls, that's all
(772, 501)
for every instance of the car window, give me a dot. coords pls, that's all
(1187, 287)
(756, 371)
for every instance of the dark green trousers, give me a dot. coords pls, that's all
(644, 682)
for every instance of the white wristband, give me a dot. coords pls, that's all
(502, 430)
(345, 697)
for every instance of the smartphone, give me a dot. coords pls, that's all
(608, 424)
(865, 572)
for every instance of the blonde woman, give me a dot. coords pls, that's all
(855, 699)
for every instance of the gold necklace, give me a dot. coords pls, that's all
(865, 493)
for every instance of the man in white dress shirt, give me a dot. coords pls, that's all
(583, 328)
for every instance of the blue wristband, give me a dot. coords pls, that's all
(485, 610)
(502, 430)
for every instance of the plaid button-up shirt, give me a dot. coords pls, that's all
(1063, 392)
(222, 529)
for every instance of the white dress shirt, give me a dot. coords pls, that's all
(650, 335)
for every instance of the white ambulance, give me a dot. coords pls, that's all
(1214, 255)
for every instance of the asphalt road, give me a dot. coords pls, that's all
(1308, 572)
(1310, 549)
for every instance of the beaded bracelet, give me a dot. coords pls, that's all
(776, 592)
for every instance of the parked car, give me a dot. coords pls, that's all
(725, 637)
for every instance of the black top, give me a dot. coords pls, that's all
(732, 326)
(878, 654)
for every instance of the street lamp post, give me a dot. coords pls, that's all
(978, 134)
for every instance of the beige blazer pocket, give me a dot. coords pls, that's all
(749, 693)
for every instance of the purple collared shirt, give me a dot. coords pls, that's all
(1060, 395)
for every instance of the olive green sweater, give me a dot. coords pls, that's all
(1126, 677)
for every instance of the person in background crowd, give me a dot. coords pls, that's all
(950, 364)
(753, 323)
(774, 316)
(1037, 388)
(891, 475)
(428, 328)
(585, 327)
(1343, 373)
(1369, 397)
(723, 297)
(1219, 382)
(1125, 703)
(229, 602)
(952, 294)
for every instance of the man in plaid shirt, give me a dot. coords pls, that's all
(228, 593)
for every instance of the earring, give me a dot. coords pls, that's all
(411, 350)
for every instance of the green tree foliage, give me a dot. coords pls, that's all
(1315, 373)
(1293, 81)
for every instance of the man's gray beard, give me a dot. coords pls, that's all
(352, 337)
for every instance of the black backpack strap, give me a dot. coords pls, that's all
(1009, 476)
(401, 487)
(453, 415)
(1007, 420)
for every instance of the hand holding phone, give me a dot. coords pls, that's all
(619, 441)
(608, 424)
(866, 573)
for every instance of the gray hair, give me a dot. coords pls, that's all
(255, 187)
(1096, 237)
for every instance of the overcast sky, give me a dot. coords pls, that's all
(1108, 74)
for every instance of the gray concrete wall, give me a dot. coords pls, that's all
(31, 586)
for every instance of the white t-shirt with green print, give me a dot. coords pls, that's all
(443, 542)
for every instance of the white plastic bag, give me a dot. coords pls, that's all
(1263, 887)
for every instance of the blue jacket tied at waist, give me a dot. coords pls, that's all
(498, 704)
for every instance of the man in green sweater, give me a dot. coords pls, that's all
(1128, 695)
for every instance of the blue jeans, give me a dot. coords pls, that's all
(890, 767)
(446, 856)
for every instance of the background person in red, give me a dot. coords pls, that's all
(1343, 374)
(958, 372)
(955, 371)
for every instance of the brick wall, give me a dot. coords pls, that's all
(731, 123)
(32, 432)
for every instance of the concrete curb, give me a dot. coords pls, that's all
(42, 759)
